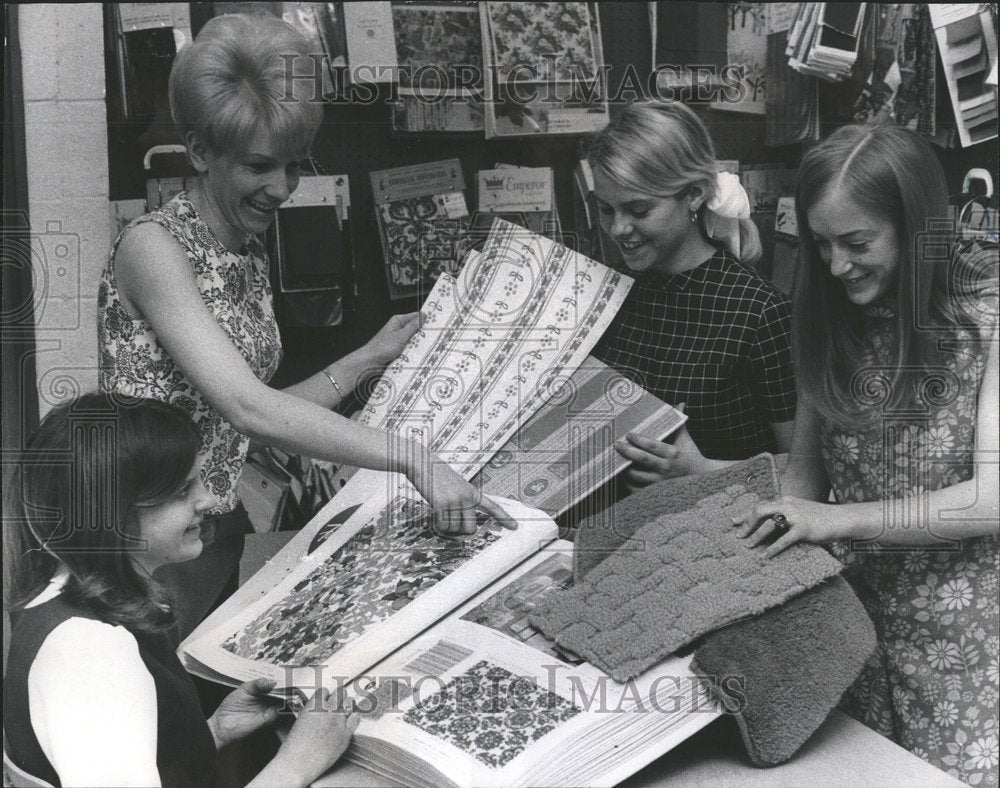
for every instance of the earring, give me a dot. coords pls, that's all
(693, 216)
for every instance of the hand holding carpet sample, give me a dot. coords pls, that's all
(678, 571)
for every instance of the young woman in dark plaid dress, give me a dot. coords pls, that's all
(700, 327)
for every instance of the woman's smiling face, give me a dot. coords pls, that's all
(244, 188)
(860, 248)
(649, 229)
(171, 528)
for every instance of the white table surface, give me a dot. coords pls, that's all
(843, 752)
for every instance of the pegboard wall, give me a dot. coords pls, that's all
(356, 139)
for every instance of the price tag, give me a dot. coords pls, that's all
(453, 204)
(785, 220)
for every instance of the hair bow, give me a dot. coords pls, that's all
(725, 210)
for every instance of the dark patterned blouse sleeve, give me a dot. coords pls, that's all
(772, 375)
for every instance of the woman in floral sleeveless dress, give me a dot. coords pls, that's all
(896, 346)
(185, 312)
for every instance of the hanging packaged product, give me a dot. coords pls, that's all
(148, 36)
(371, 53)
(310, 244)
(967, 44)
(322, 25)
(439, 51)
(746, 45)
(521, 195)
(422, 219)
(792, 99)
(825, 39)
(689, 49)
(545, 69)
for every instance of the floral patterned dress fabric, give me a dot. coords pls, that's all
(235, 288)
(932, 683)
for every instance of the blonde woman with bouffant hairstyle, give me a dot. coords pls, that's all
(185, 302)
(245, 76)
(700, 328)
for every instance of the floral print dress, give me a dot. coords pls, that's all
(235, 288)
(932, 683)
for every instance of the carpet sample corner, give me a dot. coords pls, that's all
(665, 567)
(781, 673)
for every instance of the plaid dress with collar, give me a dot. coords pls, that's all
(718, 338)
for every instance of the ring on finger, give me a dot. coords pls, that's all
(781, 523)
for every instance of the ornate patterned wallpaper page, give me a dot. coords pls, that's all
(496, 343)
(346, 603)
(432, 41)
(546, 59)
(383, 567)
(542, 41)
(492, 726)
(419, 242)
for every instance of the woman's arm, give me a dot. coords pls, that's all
(805, 475)
(154, 275)
(654, 460)
(355, 368)
(155, 278)
(320, 735)
(962, 511)
(783, 431)
(93, 706)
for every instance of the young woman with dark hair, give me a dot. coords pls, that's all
(106, 491)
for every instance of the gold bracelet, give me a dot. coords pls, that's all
(334, 383)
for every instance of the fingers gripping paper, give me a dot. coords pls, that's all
(494, 345)
(679, 571)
